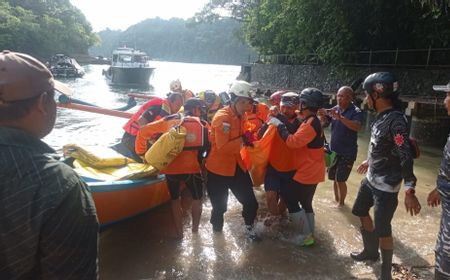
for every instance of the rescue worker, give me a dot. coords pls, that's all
(175, 86)
(282, 160)
(309, 140)
(226, 169)
(152, 110)
(389, 163)
(213, 103)
(186, 166)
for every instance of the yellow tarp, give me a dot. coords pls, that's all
(130, 171)
(96, 156)
(166, 148)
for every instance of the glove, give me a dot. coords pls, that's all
(274, 121)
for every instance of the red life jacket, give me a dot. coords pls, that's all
(132, 126)
(196, 133)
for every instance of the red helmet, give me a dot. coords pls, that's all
(275, 98)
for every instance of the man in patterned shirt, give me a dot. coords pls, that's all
(442, 193)
(389, 163)
(48, 222)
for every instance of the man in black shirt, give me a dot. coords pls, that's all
(48, 222)
(389, 163)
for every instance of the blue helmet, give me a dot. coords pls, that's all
(384, 83)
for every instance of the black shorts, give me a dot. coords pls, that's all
(194, 182)
(275, 179)
(385, 204)
(340, 168)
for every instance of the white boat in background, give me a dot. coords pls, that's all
(129, 67)
(63, 66)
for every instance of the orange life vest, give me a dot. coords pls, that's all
(196, 133)
(132, 127)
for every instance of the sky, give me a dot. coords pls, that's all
(121, 14)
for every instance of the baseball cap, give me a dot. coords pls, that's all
(23, 76)
(444, 88)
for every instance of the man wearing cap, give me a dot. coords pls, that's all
(345, 119)
(226, 169)
(152, 110)
(49, 226)
(282, 159)
(441, 194)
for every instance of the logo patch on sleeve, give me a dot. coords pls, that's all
(399, 139)
(226, 127)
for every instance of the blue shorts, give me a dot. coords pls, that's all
(340, 168)
(384, 203)
(275, 179)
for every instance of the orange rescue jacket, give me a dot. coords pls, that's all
(226, 133)
(309, 139)
(132, 127)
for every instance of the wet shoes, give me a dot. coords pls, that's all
(251, 234)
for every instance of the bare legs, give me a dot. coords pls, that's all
(340, 192)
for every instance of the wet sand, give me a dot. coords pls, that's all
(145, 247)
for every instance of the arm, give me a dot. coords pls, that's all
(354, 123)
(222, 136)
(304, 135)
(147, 131)
(399, 132)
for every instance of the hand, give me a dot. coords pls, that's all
(412, 205)
(362, 168)
(274, 121)
(247, 139)
(434, 198)
(335, 114)
(273, 111)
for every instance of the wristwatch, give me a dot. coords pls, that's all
(410, 191)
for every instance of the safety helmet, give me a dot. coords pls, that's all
(208, 96)
(312, 98)
(175, 85)
(275, 98)
(193, 103)
(174, 95)
(383, 83)
(240, 89)
(290, 99)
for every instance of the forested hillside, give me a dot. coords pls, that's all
(44, 27)
(180, 40)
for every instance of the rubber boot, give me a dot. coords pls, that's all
(370, 251)
(386, 265)
(301, 226)
(311, 222)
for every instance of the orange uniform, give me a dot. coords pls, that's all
(310, 155)
(185, 163)
(226, 133)
(283, 158)
(256, 118)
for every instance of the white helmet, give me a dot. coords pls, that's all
(175, 85)
(241, 89)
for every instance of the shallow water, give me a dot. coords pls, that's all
(145, 247)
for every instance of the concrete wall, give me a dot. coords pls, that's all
(329, 79)
(429, 128)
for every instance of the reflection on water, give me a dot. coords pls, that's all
(145, 248)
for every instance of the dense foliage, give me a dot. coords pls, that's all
(180, 40)
(330, 28)
(44, 27)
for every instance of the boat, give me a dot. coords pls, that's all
(121, 189)
(129, 67)
(117, 201)
(63, 66)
